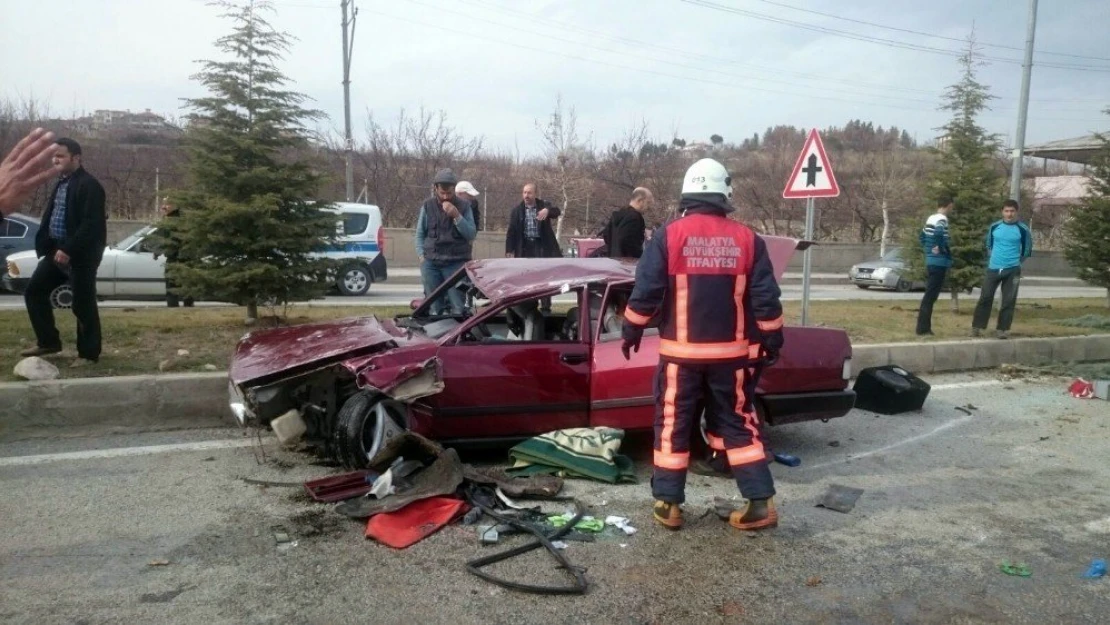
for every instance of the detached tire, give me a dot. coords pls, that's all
(365, 423)
(62, 297)
(354, 280)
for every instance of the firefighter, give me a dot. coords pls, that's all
(708, 283)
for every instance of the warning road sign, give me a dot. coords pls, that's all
(813, 174)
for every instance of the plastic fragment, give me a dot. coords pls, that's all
(1097, 569)
(1017, 570)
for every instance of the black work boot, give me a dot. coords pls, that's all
(759, 514)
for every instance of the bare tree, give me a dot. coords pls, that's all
(891, 180)
(568, 160)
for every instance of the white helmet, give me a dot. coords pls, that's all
(707, 176)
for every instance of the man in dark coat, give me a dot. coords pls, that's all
(530, 232)
(624, 235)
(70, 245)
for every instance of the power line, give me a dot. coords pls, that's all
(593, 61)
(893, 43)
(924, 34)
(532, 17)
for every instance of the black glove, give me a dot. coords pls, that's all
(630, 339)
(772, 342)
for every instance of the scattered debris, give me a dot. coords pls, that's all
(1097, 569)
(814, 581)
(165, 365)
(158, 563)
(488, 534)
(731, 608)
(840, 498)
(1082, 389)
(1102, 389)
(1044, 438)
(415, 522)
(558, 544)
(724, 507)
(182, 352)
(575, 452)
(964, 410)
(834, 443)
(35, 368)
(441, 475)
(586, 523)
(972, 407)
(211, 367)
(161, 597)
(621, 523)
(1016, 570)
(209, 459)
(341, 487)
(788, 460)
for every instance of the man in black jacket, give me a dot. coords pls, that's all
(530, 232)
(624, 235)
(70, 245)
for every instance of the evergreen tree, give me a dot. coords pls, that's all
(967, 174)
(248, 225)
(1088, 242)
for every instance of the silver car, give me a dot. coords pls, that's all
(885, 272)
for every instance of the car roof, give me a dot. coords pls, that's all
(504, 278)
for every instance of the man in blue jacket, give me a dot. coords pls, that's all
(938, 258)
(1009, 243)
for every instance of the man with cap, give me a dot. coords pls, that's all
(466, 191)
(708, 283)
(444, 232)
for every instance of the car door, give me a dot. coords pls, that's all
(500, 386)
(621, 391)
(138, 273)
(15, 236)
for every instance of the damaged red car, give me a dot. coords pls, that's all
(504, 369)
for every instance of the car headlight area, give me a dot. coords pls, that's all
(238, 404)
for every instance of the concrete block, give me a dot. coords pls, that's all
(866, 356)
(917, 358)
(1097, 347)
(992, 354)
(1033, 352)
(1069, 349)
(961, 356)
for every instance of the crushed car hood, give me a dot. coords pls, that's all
(296, 349)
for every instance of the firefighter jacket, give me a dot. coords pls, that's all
(707, 281)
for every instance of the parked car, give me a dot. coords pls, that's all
(133, 269)
(503, 369)
(17, 234)
(885, 272)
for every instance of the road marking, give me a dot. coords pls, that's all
(913, 439)
(956, 385)
(123, 452)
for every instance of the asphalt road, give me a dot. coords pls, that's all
(401, 294)
(111, 530)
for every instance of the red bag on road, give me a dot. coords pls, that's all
(415, 522)
(1082, 389)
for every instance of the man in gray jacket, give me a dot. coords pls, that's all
(444, 232)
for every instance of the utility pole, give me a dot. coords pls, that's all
(157, 191)
(348, 45)
(1023, 108)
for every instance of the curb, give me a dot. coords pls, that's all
(78, 407)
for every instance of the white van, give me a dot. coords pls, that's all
(360, 248)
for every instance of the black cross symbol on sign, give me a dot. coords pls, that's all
(811, 170)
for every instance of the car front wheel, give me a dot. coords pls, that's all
(902, 286)
(354, 280)
(864, 286)
(62, 297)
(365, 423)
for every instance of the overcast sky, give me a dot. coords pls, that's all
(496, 66)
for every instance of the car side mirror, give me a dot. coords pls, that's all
(416, 303)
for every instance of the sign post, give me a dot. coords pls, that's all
(812, 178)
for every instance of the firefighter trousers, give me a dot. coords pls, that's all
(727, 392)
